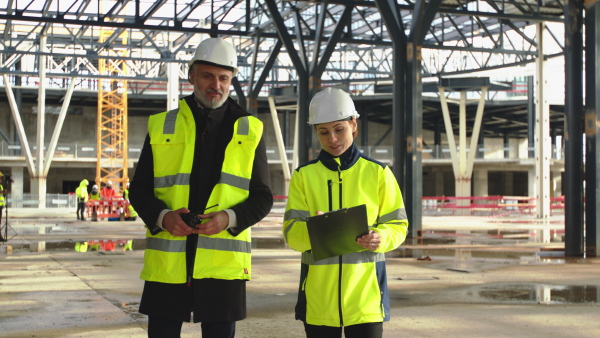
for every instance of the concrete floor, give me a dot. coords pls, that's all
(467, 276)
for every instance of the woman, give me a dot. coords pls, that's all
(348, 291)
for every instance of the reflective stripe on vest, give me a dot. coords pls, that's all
(222, 255)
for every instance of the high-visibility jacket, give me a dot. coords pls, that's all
(81, 191)
(132, 212)
(352, 288)
(221, 256)
(1, 196)
(94, 195)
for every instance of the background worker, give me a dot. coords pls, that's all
(126, 192)
(82, 198)
(94, 196)
(208, 157)
(132, 214)
(107, 193)
(348, 291)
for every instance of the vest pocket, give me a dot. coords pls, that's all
(167, 151)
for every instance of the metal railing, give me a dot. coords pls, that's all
(380, 153)
(33, 201)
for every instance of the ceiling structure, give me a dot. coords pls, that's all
(464, 38)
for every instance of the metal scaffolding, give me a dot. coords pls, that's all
(111, 137)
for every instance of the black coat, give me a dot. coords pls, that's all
(208, 299)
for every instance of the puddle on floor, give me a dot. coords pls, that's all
(540, 293)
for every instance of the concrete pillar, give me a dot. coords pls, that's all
(509, 183)
(439, 183)
(16, 188)
(480, 182)
(556, 183)
(532, 182)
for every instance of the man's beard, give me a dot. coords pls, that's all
(212, 104)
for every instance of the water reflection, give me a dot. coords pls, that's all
(120, 245)
(541, 293)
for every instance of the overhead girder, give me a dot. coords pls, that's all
(363, 36)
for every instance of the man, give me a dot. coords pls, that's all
(2, 194)
(107, 193)
(82, 198)
(206, 157)
(126, 192)
(95, 196)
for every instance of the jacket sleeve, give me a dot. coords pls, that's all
(141, 190)
(294, 228)
(392, 224)
(260, 198)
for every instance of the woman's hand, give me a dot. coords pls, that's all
(370, 241)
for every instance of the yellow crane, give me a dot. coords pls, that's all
(111, 140)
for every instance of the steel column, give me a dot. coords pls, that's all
(38, 181)
(414, 132)
(592, 129)
(395, 27)
(574, 131)
(542, 133)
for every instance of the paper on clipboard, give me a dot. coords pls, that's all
(334, 233)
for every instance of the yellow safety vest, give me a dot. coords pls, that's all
(222, 256)
(1, 196)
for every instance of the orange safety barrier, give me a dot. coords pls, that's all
(107, 209)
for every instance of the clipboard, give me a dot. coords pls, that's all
(334, 233)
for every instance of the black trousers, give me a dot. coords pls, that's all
(159, 327)
(81, 210)
(367, 330)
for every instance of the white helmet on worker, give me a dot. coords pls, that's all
(109, 182)
(95, 187)
(216, 52)
(331, 104)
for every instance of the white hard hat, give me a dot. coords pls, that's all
(109, 182)
(94, 187)
(218, 52)
(331, 104)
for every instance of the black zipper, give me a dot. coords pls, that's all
(340, 259)
(329, 187)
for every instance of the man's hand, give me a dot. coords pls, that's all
(173, 223)
(217, 223)
(370, 241)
